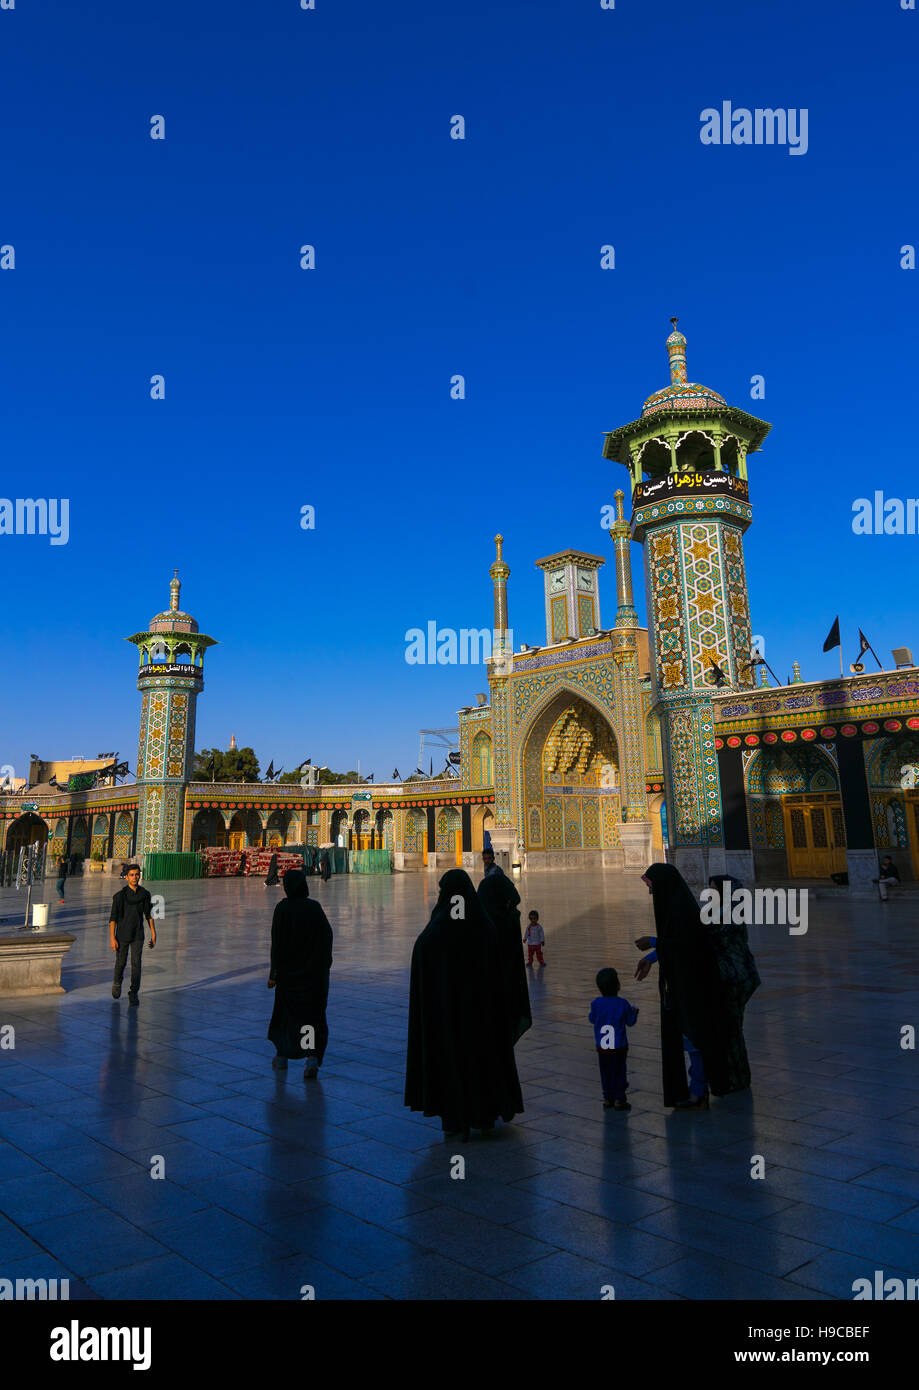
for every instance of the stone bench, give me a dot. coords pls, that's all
(30, 962)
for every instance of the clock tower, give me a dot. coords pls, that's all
(572, 594)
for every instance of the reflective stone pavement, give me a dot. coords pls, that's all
(272, 1184)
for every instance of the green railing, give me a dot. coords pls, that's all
(370, 861)
(158, 864)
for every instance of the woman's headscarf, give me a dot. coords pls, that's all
(675, 907)
(295, 884)
(719, 880)
(456, 883)
(498, 894)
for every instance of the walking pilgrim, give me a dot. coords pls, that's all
(695, 1015)
(499, 898)
(460, 1060)
(301, 958)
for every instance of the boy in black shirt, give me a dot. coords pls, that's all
(889, 873)
(131, 907)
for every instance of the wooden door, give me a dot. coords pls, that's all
(814, 836)
(236, 839)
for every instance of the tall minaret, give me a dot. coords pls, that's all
(500, 572)
(687, 458)
(170, 678)
(504, 833)
(621, 536)
(624, 637)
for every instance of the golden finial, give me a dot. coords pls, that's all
(175, 589)
(499, 547)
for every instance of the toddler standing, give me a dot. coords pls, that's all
(534, 938)
(611, 1017)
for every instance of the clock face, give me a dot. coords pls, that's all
(557, 580)
(585, 579)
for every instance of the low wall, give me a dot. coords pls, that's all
(574, 859)
(30, 962)
(408, 862)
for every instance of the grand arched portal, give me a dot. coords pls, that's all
(25, 831)
(571, 780)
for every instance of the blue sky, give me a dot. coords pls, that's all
(434, 256)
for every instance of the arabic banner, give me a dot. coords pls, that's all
(674, 484)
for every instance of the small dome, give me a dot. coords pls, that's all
(173, 619)
(683, 395)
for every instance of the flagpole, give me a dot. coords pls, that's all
(841, 672)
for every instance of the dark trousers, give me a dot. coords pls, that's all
(613, 1071)
(60, 887)
(121, 959)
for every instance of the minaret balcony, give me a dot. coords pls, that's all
(152, 671)
(672, 496)
(712, 482)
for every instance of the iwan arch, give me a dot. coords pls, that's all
(566, 724)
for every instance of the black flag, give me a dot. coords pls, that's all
(720, 679)
(865, 646)
(270, 773)
(395, 775)
(833, 638)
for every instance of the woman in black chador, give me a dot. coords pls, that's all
(301, 957)
(272, 878)
(737, 968)
(460, 1061)
(499, 898)
(692, 1001)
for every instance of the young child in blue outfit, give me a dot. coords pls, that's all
(611, 1017)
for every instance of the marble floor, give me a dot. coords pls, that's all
(272, 1184)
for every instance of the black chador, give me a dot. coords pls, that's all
(301, 957)
(499, 898)
(460, 1063)
(692, 1004)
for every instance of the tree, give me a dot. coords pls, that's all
(234, 765)
(326, 778)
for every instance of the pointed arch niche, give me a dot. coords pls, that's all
(570, 779)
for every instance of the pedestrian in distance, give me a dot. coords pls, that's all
(62, 866)
(534, 938)
(132, 906)
(301, 959)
